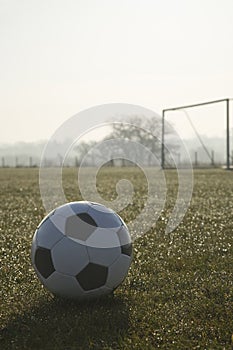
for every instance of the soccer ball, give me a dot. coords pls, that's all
(81, 250)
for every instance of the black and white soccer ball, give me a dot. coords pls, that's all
(81, 250)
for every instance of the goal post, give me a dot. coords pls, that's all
(224, 101)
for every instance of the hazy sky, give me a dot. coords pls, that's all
(59, 57)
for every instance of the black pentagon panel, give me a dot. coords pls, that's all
(92, 276)
(87, 218)
(127, 249)
(43, 262)
(104, 219)
(80, 226)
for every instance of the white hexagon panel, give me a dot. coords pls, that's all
(69, 257)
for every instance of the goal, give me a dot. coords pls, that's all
(205, 129)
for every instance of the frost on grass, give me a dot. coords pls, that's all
(178, 294)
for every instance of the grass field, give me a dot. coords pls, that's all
(179, 291)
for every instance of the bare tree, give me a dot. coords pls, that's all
(145, 131)
(82, 149)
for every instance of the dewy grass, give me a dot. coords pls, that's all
(178, 294)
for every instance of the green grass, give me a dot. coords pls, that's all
(179, 291)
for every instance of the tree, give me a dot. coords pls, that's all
(146, 132)
(82, 151)
(139, 129)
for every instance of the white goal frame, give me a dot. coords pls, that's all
(225, 101)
